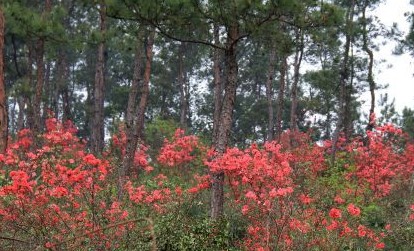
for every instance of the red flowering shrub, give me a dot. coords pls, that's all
(286, 195)
(59, 196)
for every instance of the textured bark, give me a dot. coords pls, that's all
(131, 108)
(3, 98)
(225, 122)
(98, 133)
(184, 88)
(294, 91)
(370, 78)
(344, 75)
(138, 118)
(269, 94)
(143, 103)
(281, 97)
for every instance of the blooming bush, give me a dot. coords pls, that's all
(282, 196)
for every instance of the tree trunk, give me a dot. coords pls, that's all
(98, 127)
(143, 103)
(217, 87)
(344, 75)
(39, 86)
(136, 131)
(3, 97)
(40, 76)
(226, 118)
(370, 78)
(294, 91)
(26, 99)
(281, 97)
(184, 88)
(130, 112)
(269, 94)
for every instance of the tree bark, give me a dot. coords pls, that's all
(217, 84)
(281, 97)
(344, 75)
(370, 77)
(296, 75)
(269, 94)
(130, 122)
(3, 98)
(98, 127)
(40, 76)
(226, 118)
(136, 131)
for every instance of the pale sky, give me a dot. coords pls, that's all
(400, 75)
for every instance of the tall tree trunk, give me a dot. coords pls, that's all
(136, 131)
(226, 118)
(370, 77)
(294, 90)
(40, 76)
(26, 103)
(39, 86)
(184, 88)
(217, 84)
(269, 94)
(281, 97)
(98, 127)
(130, 122)
(344, 75)
(143, 103)
(3, 98)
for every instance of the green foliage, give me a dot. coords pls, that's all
(156, 131)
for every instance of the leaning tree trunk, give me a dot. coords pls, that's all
(3, 98)
(269, 94)
(281, 97)
(225, 122)
(98, 128)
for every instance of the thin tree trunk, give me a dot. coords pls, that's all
(344, 75)
(281, 97)
(40, 77)
(26, 102)
(269, 94)
(143, 103)
(20, 115)
(217, 81)
(48, 93)
(370, 78)
(184, 90)
(3, 98)
(226, 118)
(294, 91)
(39, 86)
(98, 127)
